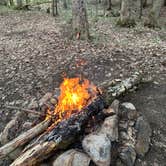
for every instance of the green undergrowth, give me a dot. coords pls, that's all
(5, 9)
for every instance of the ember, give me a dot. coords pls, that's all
(76, 93)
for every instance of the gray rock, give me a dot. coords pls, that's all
(124, 136)
(98, 147)
(128, 111)
(72, 158)
(110, 127)
(115, 106)
(119, 163)
(128, 155)
(128, 105)
(123, 125)
(143, 136)
(112, 109)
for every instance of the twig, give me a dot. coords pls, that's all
(26, 110)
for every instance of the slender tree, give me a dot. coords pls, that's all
(54, 7)
(144, 3)
(80, 24)
(109, 5)
(64, 4)
(11, 2)
(126, 16)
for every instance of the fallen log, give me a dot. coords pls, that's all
(67, 130)
(112, 92)
(24, 138)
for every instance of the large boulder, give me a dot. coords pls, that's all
(98, 147)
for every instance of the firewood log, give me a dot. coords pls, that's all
(67, 130)
(23, 138)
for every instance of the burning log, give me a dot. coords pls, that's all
(61, 136)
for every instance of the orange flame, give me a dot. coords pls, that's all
(75, 94)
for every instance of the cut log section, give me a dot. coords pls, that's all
(67, 130)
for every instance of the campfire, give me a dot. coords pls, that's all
(82, 124)
(76, 94)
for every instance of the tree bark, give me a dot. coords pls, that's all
(66, 131)
(126, 18)
(153, 18)
(79, 20)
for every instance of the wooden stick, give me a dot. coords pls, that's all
(26, 110)
(24, 138)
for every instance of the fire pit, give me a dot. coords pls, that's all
(86, 121)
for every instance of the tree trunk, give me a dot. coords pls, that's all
(126, 18)
(11, 3)
(79, 20)
(154, 14)
(19, 4)
(55, 8)
(64, 4)
(109, 5)
(144, 3)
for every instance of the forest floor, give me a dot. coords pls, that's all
(34, 54)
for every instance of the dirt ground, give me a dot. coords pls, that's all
(34, 55)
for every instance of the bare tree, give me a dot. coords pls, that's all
(126, 18)
(153, 18)
(54, 7)
(80, 24)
